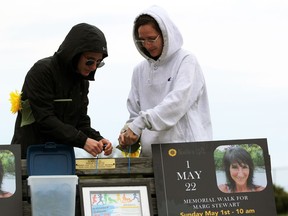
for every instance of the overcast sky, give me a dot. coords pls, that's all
(241, 46)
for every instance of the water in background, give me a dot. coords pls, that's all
(9, 183)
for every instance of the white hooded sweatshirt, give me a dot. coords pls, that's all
(168, 100)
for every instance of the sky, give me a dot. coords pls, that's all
(241, 46)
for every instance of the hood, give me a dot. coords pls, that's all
(81, 38)
(172, 37)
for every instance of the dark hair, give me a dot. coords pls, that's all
(145, 19)
(240, 156)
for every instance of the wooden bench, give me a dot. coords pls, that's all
(126, 170)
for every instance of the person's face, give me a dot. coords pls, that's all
(88, 62)
(152, 40)
(239, 173)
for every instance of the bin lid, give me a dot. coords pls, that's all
(50, 159)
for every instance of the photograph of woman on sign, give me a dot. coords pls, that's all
(239, 169)
(7, 174)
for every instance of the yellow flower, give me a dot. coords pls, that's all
(15, 99)
(132, 154)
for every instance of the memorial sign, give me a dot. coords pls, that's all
(10, 180)
(230, 177)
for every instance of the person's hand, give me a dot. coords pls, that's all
(127, 137)
(93, 147)
(107, 146)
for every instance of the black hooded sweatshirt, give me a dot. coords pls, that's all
(58, 95)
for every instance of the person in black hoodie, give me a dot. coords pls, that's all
(54, 95)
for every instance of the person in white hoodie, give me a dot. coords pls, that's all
(168, 100)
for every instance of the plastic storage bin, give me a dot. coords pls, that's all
(52, 179)
(50, 159)
(53, 195)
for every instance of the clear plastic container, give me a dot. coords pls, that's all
(53, 195)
